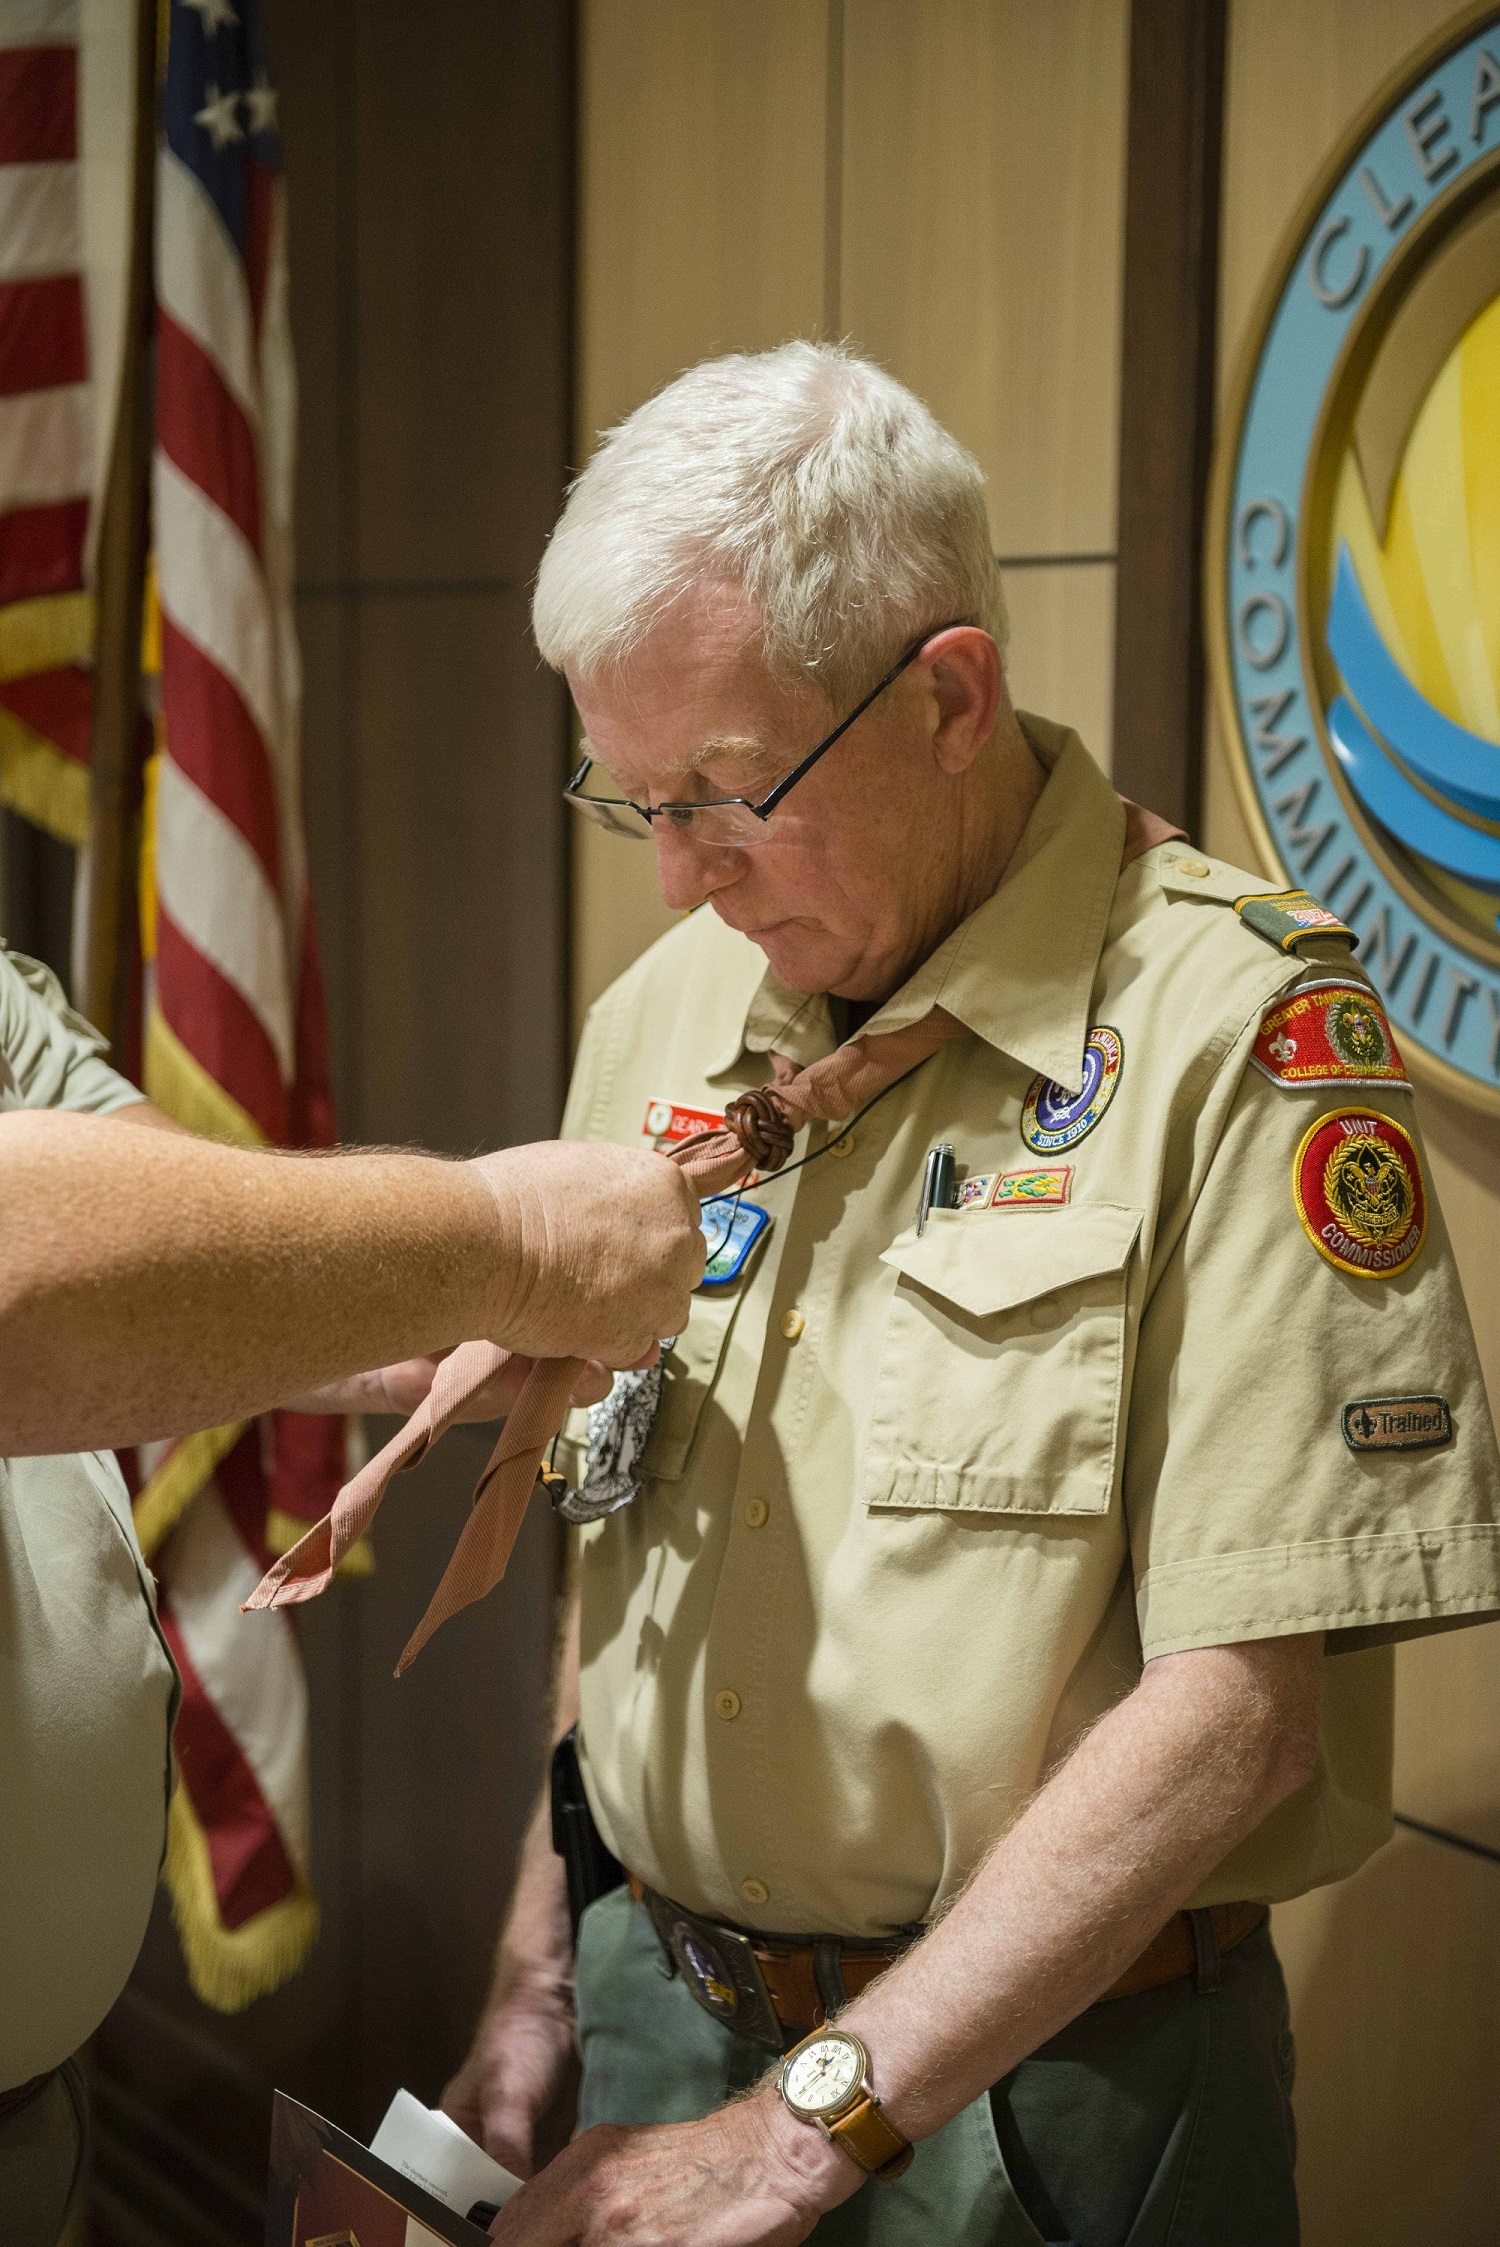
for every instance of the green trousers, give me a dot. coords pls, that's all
(1162, 2120)
(41, 2154)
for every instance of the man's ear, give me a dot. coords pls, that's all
(967, 682)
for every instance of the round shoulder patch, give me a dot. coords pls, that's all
(1054, 1118)
(1357, 1183)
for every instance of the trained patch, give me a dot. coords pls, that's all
(1054, 1118)
(1046, 1188)
(1357, 1183)
(732, 1229)
(1328, 1034)
(668, 1122)
(1397, 1423)
(1290, 918)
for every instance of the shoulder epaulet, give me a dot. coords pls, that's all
(1290, 919)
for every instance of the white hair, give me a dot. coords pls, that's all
(806, 476)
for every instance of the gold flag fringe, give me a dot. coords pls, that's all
(230, 1967)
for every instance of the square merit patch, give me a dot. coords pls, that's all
(1328, 1034)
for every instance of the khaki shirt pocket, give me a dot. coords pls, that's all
(691, 1371)
(1001, 1369)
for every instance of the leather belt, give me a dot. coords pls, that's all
(12, 2101)
(770, 1987)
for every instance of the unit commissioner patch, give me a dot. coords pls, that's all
(1357, 1183)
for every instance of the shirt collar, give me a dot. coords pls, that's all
(1020, 971)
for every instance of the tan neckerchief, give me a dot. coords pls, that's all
(759, 1128)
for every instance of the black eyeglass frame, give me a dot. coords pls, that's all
(650, 813)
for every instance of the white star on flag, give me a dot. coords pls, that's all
(261, 101)
(216, 14)
(217, 115)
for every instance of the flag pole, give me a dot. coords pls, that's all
(106, 900)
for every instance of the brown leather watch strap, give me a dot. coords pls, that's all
(875, 2143)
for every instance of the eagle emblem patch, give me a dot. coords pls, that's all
(1357, 1183)
(1328, 1034)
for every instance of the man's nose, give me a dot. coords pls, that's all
(689, 872)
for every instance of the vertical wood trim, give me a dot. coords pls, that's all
(833, 176)
(1167, 379)
(104, 950)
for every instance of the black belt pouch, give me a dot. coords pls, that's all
(591, 1871)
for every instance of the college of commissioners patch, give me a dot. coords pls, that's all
(1353, 590)
(1328, 1034)
(1357, 1183)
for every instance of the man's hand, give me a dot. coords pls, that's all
(523, 2063)
(600, 1250)
(748, 2176)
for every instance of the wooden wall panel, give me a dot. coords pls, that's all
(983, 155)
(703, 184)
(942, 183)
(1395, 1976)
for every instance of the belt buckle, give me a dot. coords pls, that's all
(719, 1970)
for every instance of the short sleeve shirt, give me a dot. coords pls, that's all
(917, 1506)
(86, 1682)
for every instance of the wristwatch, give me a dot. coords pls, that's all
(826, 2079)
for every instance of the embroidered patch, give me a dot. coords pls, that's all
(669, 1123)
(730, 1230)
(1290, 918)
(1357, 1183)
(1047, 1188)
(974, 1193)
(1397, 1423)
(1054, 1118)
(1328, 1033)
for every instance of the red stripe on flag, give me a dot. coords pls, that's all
(55, 704)
(202, 429)
(251, 1869)
(41, 549)
(38, 105)
(241, 1480)
(309, 1462)
(214, 740)
(42, 341)
(219, 1029)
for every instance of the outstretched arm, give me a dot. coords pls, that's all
(152, 1282)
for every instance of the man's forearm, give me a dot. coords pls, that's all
(1148, 1804)
(143, 1295)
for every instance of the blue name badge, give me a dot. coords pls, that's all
(731, 1230)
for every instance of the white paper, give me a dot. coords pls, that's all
(430, 2148)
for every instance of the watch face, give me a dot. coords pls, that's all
(821, 2076)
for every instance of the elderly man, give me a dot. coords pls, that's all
(149, 1284)
(1004, 1616)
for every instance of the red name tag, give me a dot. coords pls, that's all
(668, 1124)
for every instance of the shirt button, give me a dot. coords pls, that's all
(792, 1324)
(1045, 1313)
(1196, 869)
(841, 1147)
(727, 1704)
(757, 1513)
(754, 1891)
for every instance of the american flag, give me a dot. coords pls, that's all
(46, 424)
(234, 1040)
(231, 1033)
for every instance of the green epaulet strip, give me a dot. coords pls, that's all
(1290, 920)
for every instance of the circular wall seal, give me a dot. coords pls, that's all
(1357, 1183)
(1353, 595)
(1053, 1117)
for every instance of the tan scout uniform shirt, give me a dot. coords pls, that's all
(917, 1509)
(86, 1683)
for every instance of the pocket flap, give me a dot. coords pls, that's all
(991, 1260)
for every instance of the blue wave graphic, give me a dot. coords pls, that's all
(1448, 757)
(1413, 818)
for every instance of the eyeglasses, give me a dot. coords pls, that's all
(732, 822)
